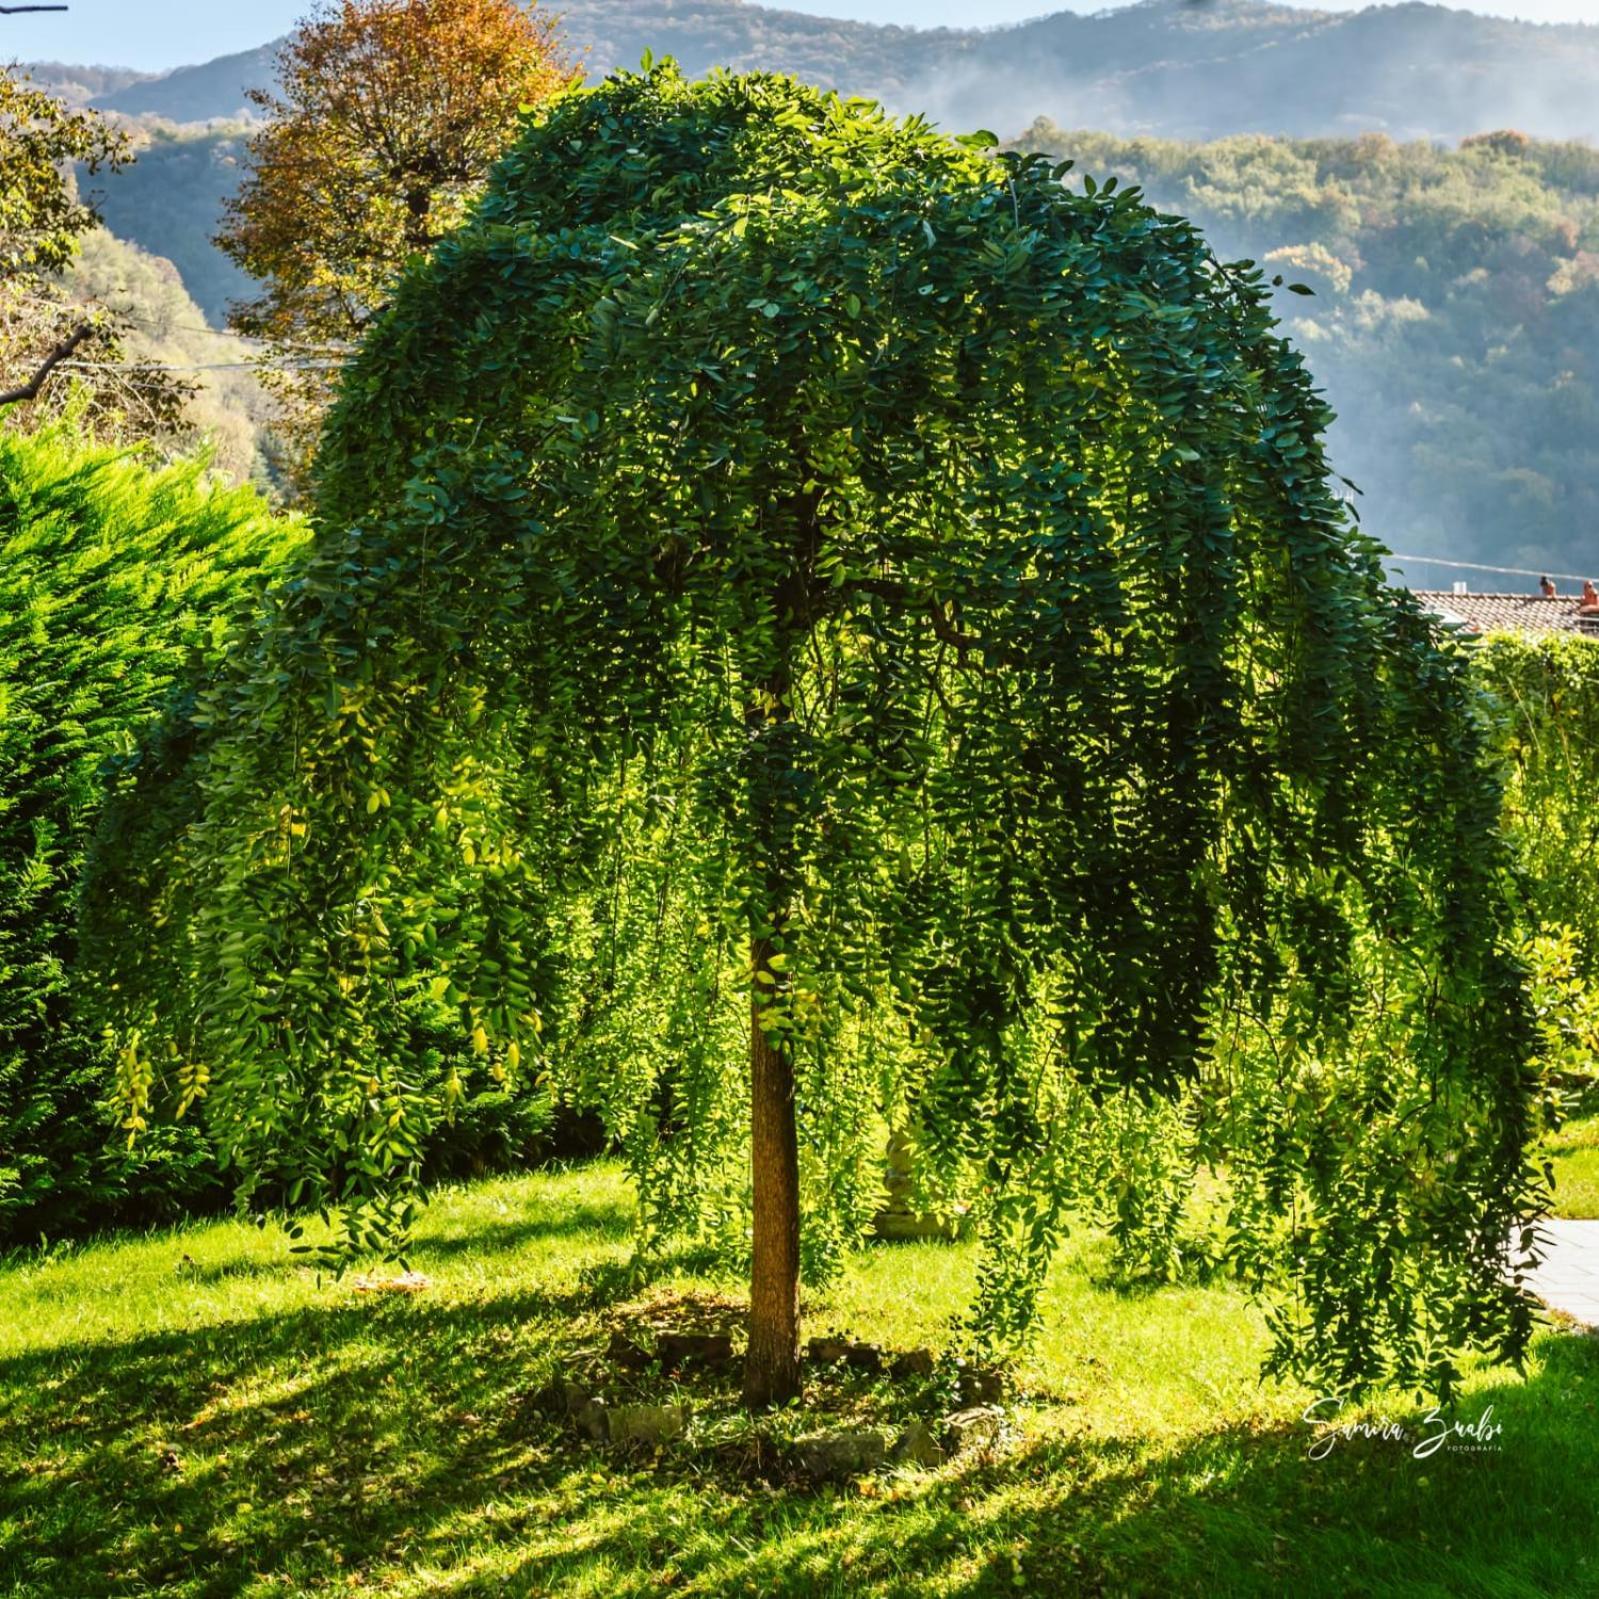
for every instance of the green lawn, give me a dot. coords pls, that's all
(195, 1413)
(1574, 1151)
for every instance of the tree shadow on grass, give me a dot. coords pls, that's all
(389, 1439)
(602, 1222)
(1235, 1510)
(187, 1460)
(598, 1221)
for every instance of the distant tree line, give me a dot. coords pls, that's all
(1454, 321)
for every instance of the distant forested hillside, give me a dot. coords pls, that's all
(78, 85)
(169, 201)
(209, 92)
(1164, 67)
(1456, 319)
(162, 324)
(1454, 325)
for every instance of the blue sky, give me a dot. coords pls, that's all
(155, 34)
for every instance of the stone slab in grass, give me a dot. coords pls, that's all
(707, 1349)
(646, 1425)
(831, 1456)
(978, 1428)
(844, 1351)
(918, 1447)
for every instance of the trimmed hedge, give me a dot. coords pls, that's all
(117, 586)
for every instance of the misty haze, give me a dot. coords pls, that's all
(1454, 315)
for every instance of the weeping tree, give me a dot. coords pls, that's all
(817, 630)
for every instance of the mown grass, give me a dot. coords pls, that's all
(195, 1413)
(1574, 1153)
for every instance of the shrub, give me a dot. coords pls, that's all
(116, 584)
(1546, 713)
(1566, 1007)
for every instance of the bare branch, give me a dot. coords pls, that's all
(11, 11)
(67, 347)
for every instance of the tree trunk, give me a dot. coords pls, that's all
(772, 1369)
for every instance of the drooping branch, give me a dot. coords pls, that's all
(65, 350)
(944, 629)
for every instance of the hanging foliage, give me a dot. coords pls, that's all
(1546, 725)
(802, 602)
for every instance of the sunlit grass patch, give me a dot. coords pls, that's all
(197, 1413)
(1574, 1153)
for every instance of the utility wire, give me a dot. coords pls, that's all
(132, 315)
(1502, 571)
(150, 326)
(214, 366)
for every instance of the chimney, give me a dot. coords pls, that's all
(1460, 587)
(1548, 588)
(1589, 605)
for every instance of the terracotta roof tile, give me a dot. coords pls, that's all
(1510, 613)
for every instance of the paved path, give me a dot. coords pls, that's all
(1568, 1279)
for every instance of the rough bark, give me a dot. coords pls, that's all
(772, 1369)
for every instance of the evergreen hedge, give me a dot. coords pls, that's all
(118, 584)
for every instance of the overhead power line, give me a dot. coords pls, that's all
(132, 314)
(213, 366)
(156, 326)
(1502, 571)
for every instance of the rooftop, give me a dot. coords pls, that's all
(1536, 615)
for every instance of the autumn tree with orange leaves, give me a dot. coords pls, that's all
(386, 118)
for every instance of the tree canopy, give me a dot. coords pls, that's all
(43, 326)
(796, 597)
(386, 118)
(41, 215)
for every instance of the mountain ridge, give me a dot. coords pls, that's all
(1166, 68)
(1455, 320)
